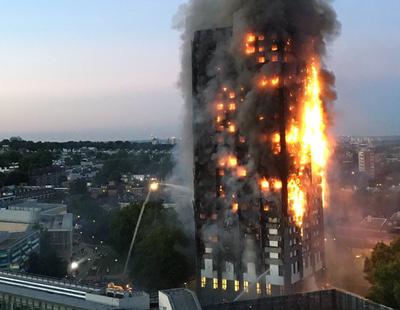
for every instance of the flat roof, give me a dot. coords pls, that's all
(14, 227)
(61, 222)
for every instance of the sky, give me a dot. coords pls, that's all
(108, 69)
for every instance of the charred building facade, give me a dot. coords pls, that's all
(258, 198)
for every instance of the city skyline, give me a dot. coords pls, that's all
(106, 70)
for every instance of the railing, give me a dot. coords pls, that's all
(326, 300)
(54, 281)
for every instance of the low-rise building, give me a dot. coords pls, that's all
(21, 291)
(60, 231)
(51, 217)
(15, 248)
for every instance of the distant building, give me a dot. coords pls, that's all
(45, 209)
(15, 248)
(366, 162)
(12, 195)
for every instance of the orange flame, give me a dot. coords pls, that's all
(264, 184)
(232, 161)
(241, 172)
(275, 81)
(296, 199)
(314, 138)
(235, 207)
(251, 37)
(309, 145)
(232, 128)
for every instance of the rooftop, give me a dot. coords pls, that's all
(181, 298)
(61, 222)
(70, 293)
(13, 227)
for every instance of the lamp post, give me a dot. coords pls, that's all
(152, 188)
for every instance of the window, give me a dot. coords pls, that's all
(203, 281)
(269, 288)
(258, 288)
(224, 284)
(273, 231)
(246, 286)
(237, 286)
(215, 283)
(274, 255)
(273, 243)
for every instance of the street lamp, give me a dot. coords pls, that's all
(152, 188)
(74, 266)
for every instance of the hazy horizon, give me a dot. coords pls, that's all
(107, 70)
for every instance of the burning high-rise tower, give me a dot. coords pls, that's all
(260, 118)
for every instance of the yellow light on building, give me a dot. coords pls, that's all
(224, 284)
(246, 286)
(203, 282)
(269, 289)
(258, 289)
(215, 283)
(237, 286)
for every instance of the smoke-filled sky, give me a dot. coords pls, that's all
(107, 69)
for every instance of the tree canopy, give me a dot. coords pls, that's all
(158, 260)
(383, 272)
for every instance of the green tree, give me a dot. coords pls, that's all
(158, 260)
(383, 272)
(37, 160)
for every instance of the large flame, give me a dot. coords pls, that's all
(313, 151)
(306, 138)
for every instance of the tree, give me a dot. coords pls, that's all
(158, 260)
(38, 160)
(383, 272)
